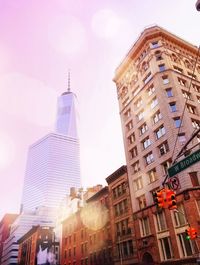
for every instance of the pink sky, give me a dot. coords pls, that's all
(39, 41)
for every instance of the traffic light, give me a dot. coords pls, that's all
(193, 233)
(171, 199)
(158, 198)
(188, 235)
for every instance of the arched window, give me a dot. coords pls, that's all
(145, 66)
(188, 64)
(158, 55)
(174, 58)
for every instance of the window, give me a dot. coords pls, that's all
(143, 128)
(163, 148)
(151, 90)
(152, 175)
(179, 216)
(138, 103)
(194, 178)
(122, 227)
(188, 64)
(182, 82)
(158, 55)
(187, 247)
(178, 69)
(166, 249)
(161, 67)
(147, 78)
(186, 95)
(146, 142)
(131, 138)
(192, 75)
(155, 44)
(165, 79)
(156, 117)
(149, 158)
(169, 92)
(142, 202)
(138, 184)
(154, 103)
(127, 114)
(181, 137)
(160, 132)
(196, 88)
(177, 122)
(133, 152)
(144, 226)
(161, 221)
(136, 167)
(124, 91)
(195, 124)
(172, 106)
(198, 99)
(129, 126)
(191, 109)
(140, 115)
(174, 58)
(126, 101)
(145, 66)
(166, 165)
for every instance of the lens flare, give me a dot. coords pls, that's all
(94, 216)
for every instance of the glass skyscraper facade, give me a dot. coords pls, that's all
(53, 163)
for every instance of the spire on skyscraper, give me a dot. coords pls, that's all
(66, 120)
(68, 89)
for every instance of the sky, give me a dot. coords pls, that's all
(39, 41)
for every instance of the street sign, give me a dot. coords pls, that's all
(183, 164)
(173, 183)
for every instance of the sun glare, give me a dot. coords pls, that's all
(94, 216)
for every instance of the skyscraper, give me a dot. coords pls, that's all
(157, 82)
(53, 163)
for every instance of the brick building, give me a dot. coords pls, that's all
(38, 246)
(121, 218)
(5, 224)
(86, 236)
(157, 82)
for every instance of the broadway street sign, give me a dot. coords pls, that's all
(183, 164)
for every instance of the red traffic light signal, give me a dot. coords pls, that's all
(191, 233)
(171, 199)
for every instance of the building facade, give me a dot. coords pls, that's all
(53, 163)
(22, 224)
(86, 235)
(38, 246)
(158, 83)
(121, 218)
(5, 225)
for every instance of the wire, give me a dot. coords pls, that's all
(192, 78)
